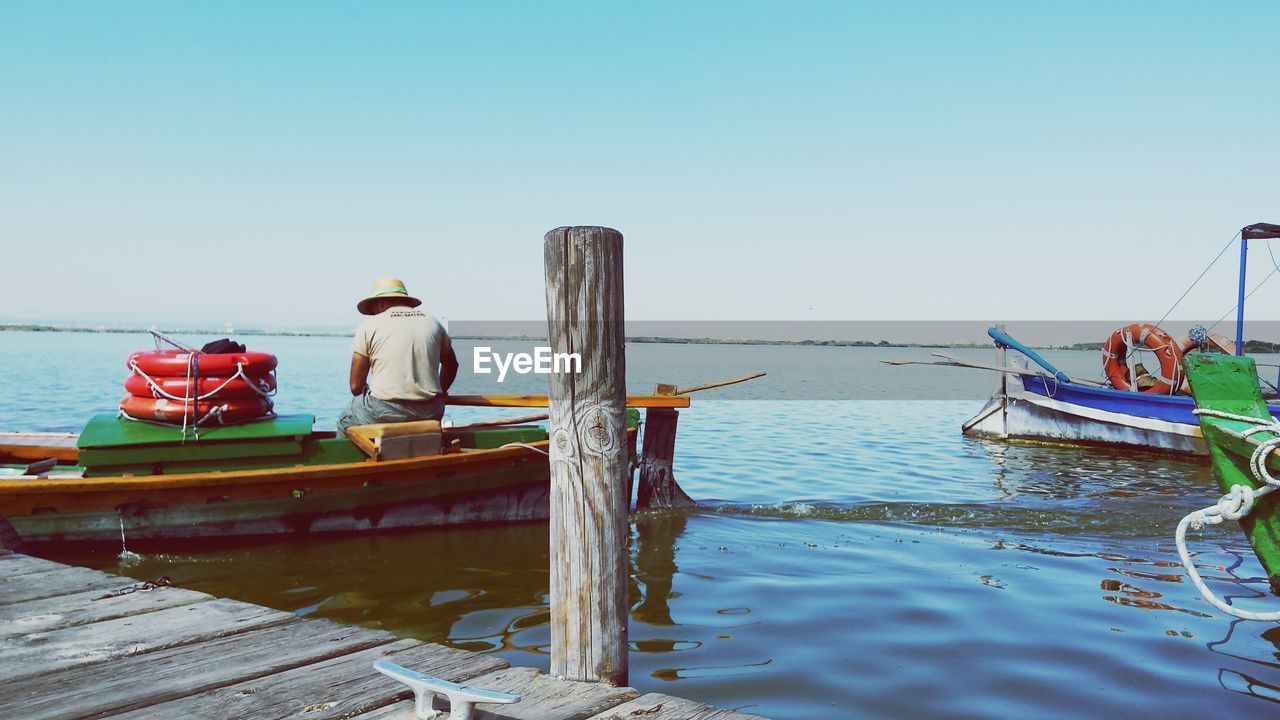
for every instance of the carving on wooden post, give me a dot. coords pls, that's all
(589, 459)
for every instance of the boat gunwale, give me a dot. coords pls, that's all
(33, 485)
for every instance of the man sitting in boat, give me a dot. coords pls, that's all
(402, 362)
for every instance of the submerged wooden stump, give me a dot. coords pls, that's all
(589, 457)
(658, 487)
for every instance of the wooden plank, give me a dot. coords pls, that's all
(636, 401)
(339, 688)
(541, 698)
(15, 564)
(37, 439)
(590, 463)
(143, 680)
(656, 706)
(369, 437)
(88, 607)
(45, 652)
(25, 446)
(63, 581)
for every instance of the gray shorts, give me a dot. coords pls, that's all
(366, 410)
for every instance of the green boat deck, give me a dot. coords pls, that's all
(111, 442)
(106, 430)
(110, 446)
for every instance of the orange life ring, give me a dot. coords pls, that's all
(1115, 356)
(180, 387)
(175, 363)
(223, 412)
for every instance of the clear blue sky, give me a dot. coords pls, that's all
(261, 163)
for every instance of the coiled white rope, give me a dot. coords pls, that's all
(1236, 504)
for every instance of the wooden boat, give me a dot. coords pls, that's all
(143, 483)
(1041, 404)
(1036, 401)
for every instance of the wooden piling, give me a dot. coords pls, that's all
(589, 463)
(658, 486)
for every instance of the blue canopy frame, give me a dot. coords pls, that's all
(1256, 231)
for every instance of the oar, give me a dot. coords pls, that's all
(953, 361)
(722, 383)
(536, 401)
(961, 361)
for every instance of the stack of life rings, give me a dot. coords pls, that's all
(192, 388)
(1170, 380)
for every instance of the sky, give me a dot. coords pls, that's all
(262, 163)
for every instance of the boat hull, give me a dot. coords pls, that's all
(510, 484)
(1034, 408)
(508, 492)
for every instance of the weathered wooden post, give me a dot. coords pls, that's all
(589, 463)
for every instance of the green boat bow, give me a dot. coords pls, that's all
(1242, 437)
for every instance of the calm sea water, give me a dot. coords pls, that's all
(854, 558)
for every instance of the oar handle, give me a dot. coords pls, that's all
(1003, 338)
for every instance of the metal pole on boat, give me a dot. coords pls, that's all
(1244, 260)
(589, 455)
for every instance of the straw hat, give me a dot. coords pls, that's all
(386, 288)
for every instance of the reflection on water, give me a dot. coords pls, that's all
(653, 558)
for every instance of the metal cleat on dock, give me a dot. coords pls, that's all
(462, 699)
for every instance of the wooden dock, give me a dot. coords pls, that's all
(79, 643)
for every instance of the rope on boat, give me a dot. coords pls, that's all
(158, 391)
(527, 446)
(1233, 506)
(1199, 277)
(1255, 289)
(214, 414)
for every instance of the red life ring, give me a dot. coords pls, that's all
(1116, 352)
(180, 387)
(175, 363)
(171, 411)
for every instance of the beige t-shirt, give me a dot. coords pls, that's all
(403, 346)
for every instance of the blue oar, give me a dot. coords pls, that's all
(1006, 340)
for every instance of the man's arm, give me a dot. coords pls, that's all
(359, 373)
(448, 365)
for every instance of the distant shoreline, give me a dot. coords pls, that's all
(169, 331)
(640, 339)
(1253, 347)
